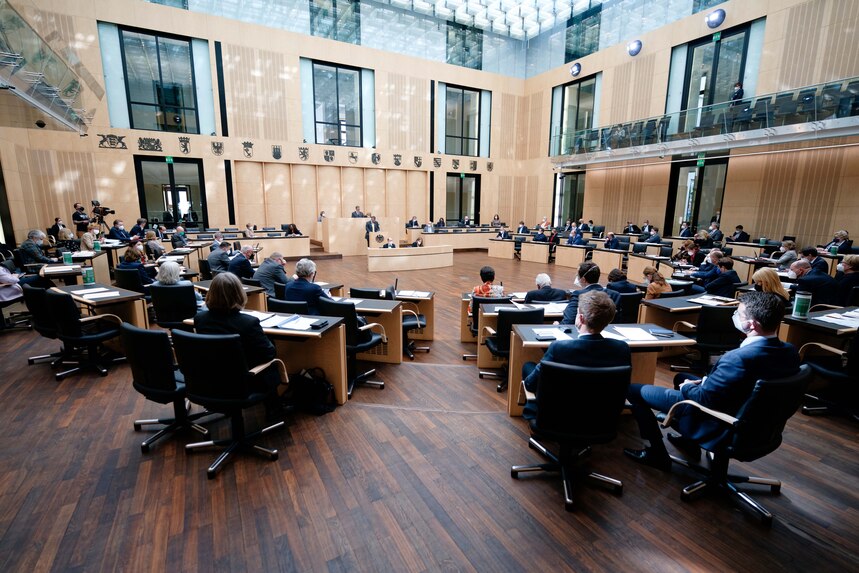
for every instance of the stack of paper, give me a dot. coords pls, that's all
(261, 316)
(100, 295)
(61, 269)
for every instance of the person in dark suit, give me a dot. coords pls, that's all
(419, 242)
(707, 271)
(739, 236)
(241, 263)
(544, 291)
(161, 233)
(726, 388)
(219, 259)
(823, 288)
(568, 226)
(303, 287)
(715, 233)
(849, 268)
(118, 232)
(441, 223)
(31, 249)
(371, 226)
(139, 228)
(685, 230)
(631, 229)
(585, 227)
(725, 283)
(225, 301)
(595, 311)
(587, 279)
(504, 233)
(80, 219)
(540, 237)
(357, 213)
(840, 240)
(390, 244)
(618, 283)
(576, 238)
(271, 271)
(178, 239)
(54, 231)
(645, 228)
(466, 221)
(413, 223)
(522, 229)
(611, 242)
(654, 236)
(737, 94)
(819, 263)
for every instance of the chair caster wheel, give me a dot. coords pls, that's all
(211, 474)
(500, 388)
(137, 427)
(514, 474)
(568, 506)
(144, 448)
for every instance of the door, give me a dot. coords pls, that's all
(569, 197)
(696, 193)
(171, 193)
(463, 197)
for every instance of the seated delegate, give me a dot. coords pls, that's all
(303, 289)
(271, 271)
(169, 274)
(544, 291)
(587, 278)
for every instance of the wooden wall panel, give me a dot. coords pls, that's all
(504, 138)
(535, 136)
(521, 122)
(417, 196)
(304, 196)
(395, 195)
(352, 191)
(374, 192)
(329, 192)
(249, 193)
(256, 92)
(278, 194)
(841, 56)
(634, 192)
(505, 201)
(407, 116)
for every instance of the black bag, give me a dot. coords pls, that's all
(311, 392)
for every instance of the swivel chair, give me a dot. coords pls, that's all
(157, 378)
(129, 279)
(287, 306)
(627, 312)
(714, 334)
(173, 305)
(498, 342)
(358, 339)
(575, 430)
(205, 270)
(279, 291)
(412, 320)
(15, 320)
(226, 386)
(251, 282)
(43, 322)
(755, 431)
(476, 301)
(840, 369)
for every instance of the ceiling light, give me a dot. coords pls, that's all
(575, 69)
(634, 47)
(715, 18)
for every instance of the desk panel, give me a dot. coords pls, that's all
(501, 248)
(535, 252)
(460, 239)
(409, 259)
(570, 255)
(607, 260)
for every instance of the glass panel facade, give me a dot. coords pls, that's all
(462, 121)
(577, 113)
(462, 195)
(464, 46)
(336, 20)
(570, 205)
(181, 200)
(159, 81)
(337, 104)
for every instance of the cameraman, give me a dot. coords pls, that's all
(80, 219)
(118, 231)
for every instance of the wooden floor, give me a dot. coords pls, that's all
(415, 477)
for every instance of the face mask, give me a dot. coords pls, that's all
(783, 249)
(577, 282)
(738, 323)
(60, 224)
(652, 232)
(791, 275)
(122, 227)
(840, 267)
(95, 231)
(81, 209)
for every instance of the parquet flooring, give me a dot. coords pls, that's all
(415, 477)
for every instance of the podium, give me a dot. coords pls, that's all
(345, 235)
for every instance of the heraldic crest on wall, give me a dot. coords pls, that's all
(328, 155)
(436, 162)
(149, 144)
(303, 153)
(111, 141)
(456, 163)
(185, 145)
(353, 157)
(248, 148)
(418, 160)
(276, 152)
(218, 147)
(398, 159)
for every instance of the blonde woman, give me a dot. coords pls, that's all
(785, 256)
(656, 284)
(767, 280)
(153, 245)
(88, 239)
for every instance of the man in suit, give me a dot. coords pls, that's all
(540, 237)
(219, 259)
(631, 229)
(739, 236)
(611, 242)
(576, 237)
(54, 231)
(504, 233)
(715, 233)
(819, 263)
(31, 249)
(618, 282)
(216, 241)
(241, 263)
(466, 221)
(587, 279)
(544, 291)
(271, 271)
(118, 232)
(390, 244)
(303, 288)
(840, 240)
(685, 230)
(726, 388)
(725, 283)
(585, 227)
(161, 232)
(823, 288)
(522, 229)
(654, 236)
(357, 213)
(139, 229)
(371, 227)
(645, 228)
(595, 311)
(179, 240)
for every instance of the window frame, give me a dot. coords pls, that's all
(360, 114)
(462, 138)
(564, 87)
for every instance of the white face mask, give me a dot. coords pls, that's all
(791, 275)
(738, 324)
(95, 231)
(577, 282)
(783, 249)
(840, 267)
(122, 227)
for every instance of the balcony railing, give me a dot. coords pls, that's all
(819, 102)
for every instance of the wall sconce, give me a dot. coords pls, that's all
(575, 69)
(715, 18)
(634, 47)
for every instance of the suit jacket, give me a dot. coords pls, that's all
(540, 237)
(655, 238)
(590, 350)
(622, 287)
(731, 382)
(739, 237)
(584, 227)
(549, 294)
(241, 267)
(357, 215)
(820, 264)
(573, 306)
(843, 248)
(256, 345)
(178, 241)
(139, 231)
(576, 239)
(268, 273)
(646, 228)
(31, 253)
(522, 229)
(716, 235)
(706, 272)
(725, 284)
(632, 229)
(370, 227)
(612, 243)
(118, 234)
(303, 290)
(503, 235)
(218, 260)
(823, 288)
(141, 271)
(845, 288)
(81, 221)
(686, 233)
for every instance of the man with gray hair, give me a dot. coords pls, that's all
(31, 249)
(219, 259)
(544, 291)
(179, 240)
(216, 241)
(303, 289)
(271, 271)
(241, 263)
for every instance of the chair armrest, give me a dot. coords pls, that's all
(687, 325)
(371, 325)
(831, 349)
(824, 307)
(528, 394)
(413, 306)
(730, 420)
(100, 316)
(280, 366)
(409, 311)
(489, 331)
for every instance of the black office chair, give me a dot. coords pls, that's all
(205, 270)
(665, 251)
(627, 313)
(129, 279)
(517, 247)
(498, 341)
(173, 304)
(412, 319)
(559, 419)
(287, 306)
(43, 322)
(15, 320)
(358, 339)
(639, 248)
(673, 293)
(82, 337)
(840, 370)
(476, 301)
(218, 378)
(251, 282)
(755, 431)
(157, 378)
(714, 334)
(279, 291)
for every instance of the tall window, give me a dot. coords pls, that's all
(159, 82)
(463, 197)
(572, 116)
(336, 20)
(337, 104)
(462, 121)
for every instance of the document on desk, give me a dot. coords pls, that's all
(555, 308)
(61, 269)
(100, 295)
(553, 332)
(83, 254)
(298, 323)
(634, 333)
(840, 319)
(708, 300)
(519, 294)
(413, 293)
(261, 316)
(88, 290)
(355, 301)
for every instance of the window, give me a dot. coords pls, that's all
(462, 197)
(337, 104)
(572, 115)
(336, 20)
(583, 33)
(159, 82)
(464, 46)
(462, 121)
(171, 193)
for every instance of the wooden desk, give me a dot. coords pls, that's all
(333, 288)
(833, 261)
(464, 332)
(98, 262)
(607, 259)
(345, 235)
(535, 252)
(289, 247)
(636, 263)
(128, 305)
(524, 347)
(752, 250)
(256, 295)
(388, 313)
(460, 239)
(489, 317)
(69, 274)
(571, 255)
(501, 248)
(800, 331)
(424, 303)
(409, 259)
(746, 266)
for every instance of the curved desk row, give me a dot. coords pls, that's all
(409, 258)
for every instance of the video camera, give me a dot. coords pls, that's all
(100, 211)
